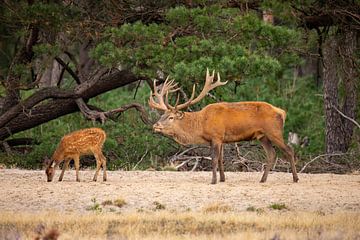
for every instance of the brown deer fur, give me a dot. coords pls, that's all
(75, 144)
(220, 123)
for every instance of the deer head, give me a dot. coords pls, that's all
(173, 114)
(50, 170)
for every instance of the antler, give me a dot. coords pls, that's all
(169, 86)
(209, 85)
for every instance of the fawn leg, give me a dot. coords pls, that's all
(65, 166)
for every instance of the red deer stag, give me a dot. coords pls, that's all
(221, 123)
(75, 144)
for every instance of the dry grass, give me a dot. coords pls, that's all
(217, 208)
(185, 225)
(119, 202)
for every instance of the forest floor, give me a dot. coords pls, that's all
(179, 205)
(27, 190)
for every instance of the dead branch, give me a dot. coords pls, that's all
(140, 108)
(95, 115)
(242, 160)
(320, 156)
(68, 69)
(348, 118)
(188, 159)
(178, 155)
(141, 159)
(195, 165)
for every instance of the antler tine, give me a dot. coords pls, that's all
(189, 102)
(160, 105)
(218, 82)
(167, 101)
(208, 86)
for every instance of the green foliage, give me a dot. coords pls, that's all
(222, 39)
(50, 16)
(47, 50)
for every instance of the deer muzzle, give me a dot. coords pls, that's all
(157, 127)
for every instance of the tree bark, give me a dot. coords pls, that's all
(347, 49)
(339, 70)
(55, 108)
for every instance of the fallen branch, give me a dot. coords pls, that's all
(320, 156)
(188, 159)
(195, 165)
(176, 156)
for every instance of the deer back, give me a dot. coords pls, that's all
(231, 122)
(80, 142)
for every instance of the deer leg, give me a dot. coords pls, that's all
(65, 166)
(289, 152)
(270, 154)
(216, 152)
(77, 166)
(103, 161)
(98, 165)
(221, 164)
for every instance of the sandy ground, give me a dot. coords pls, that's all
(24, 190)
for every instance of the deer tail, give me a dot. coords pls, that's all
(282, 113)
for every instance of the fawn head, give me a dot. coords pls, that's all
(50, 170)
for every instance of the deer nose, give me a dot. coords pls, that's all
(157, 127)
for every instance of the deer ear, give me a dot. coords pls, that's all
(180, 114)
(46, 161)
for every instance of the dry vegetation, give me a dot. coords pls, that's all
(186, 225)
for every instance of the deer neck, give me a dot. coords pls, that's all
(190, 129)
(56, 157)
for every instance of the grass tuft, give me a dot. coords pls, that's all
(120, 202)
(95, 206)
(278, 206)
(158, 206)
(107, 203)
(217, 208)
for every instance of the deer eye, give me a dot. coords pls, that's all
(171, 118)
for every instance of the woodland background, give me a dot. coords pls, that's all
(66, 65)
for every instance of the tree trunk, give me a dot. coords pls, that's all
(339, 70)
(347, 50)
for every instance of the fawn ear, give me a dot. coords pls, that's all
(46, 161)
